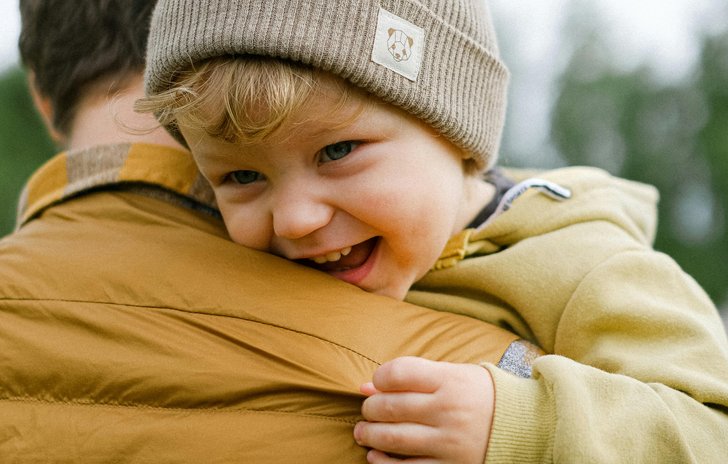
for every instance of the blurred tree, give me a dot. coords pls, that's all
(671, 135)
(24, 145)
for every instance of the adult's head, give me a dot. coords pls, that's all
(78, 48)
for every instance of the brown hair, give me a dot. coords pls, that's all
(71, 46)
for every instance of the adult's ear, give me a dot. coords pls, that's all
(45, 108)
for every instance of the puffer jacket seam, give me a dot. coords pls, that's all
(98, 404)
(201, 311)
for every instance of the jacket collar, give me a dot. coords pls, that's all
(72, 173)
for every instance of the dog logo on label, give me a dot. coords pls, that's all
(399, 45)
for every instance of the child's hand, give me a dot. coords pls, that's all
(441, 412)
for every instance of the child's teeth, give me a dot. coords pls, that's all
(332, 256)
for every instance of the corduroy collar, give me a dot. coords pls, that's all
(72, 173)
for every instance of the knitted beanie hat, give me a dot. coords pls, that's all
(436, 59)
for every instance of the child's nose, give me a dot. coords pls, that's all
(298, 212)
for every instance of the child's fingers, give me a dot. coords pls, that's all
(368, 389)
(409, 374)
(400, 407)
(401, 438)
(378, 457)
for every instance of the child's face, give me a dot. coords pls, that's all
(371, 200)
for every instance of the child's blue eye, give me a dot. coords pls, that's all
(245, 177)
(338, 150)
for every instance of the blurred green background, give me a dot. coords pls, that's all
(668, 129)
(24, 144)
(607, 105)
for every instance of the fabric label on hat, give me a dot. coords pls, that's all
(398, 45)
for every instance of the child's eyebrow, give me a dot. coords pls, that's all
(219, 159)
(329, 131)
(338, 121)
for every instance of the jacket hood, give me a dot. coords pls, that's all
(594, 195)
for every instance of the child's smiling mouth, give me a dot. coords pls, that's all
(343, 260)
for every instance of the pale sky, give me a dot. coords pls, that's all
(9, 30)
(661, 33)
(658, 31)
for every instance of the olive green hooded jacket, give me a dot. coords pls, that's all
(638, 370)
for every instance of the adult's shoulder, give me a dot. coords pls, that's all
(132, 314)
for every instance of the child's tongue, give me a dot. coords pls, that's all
(358, 256)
